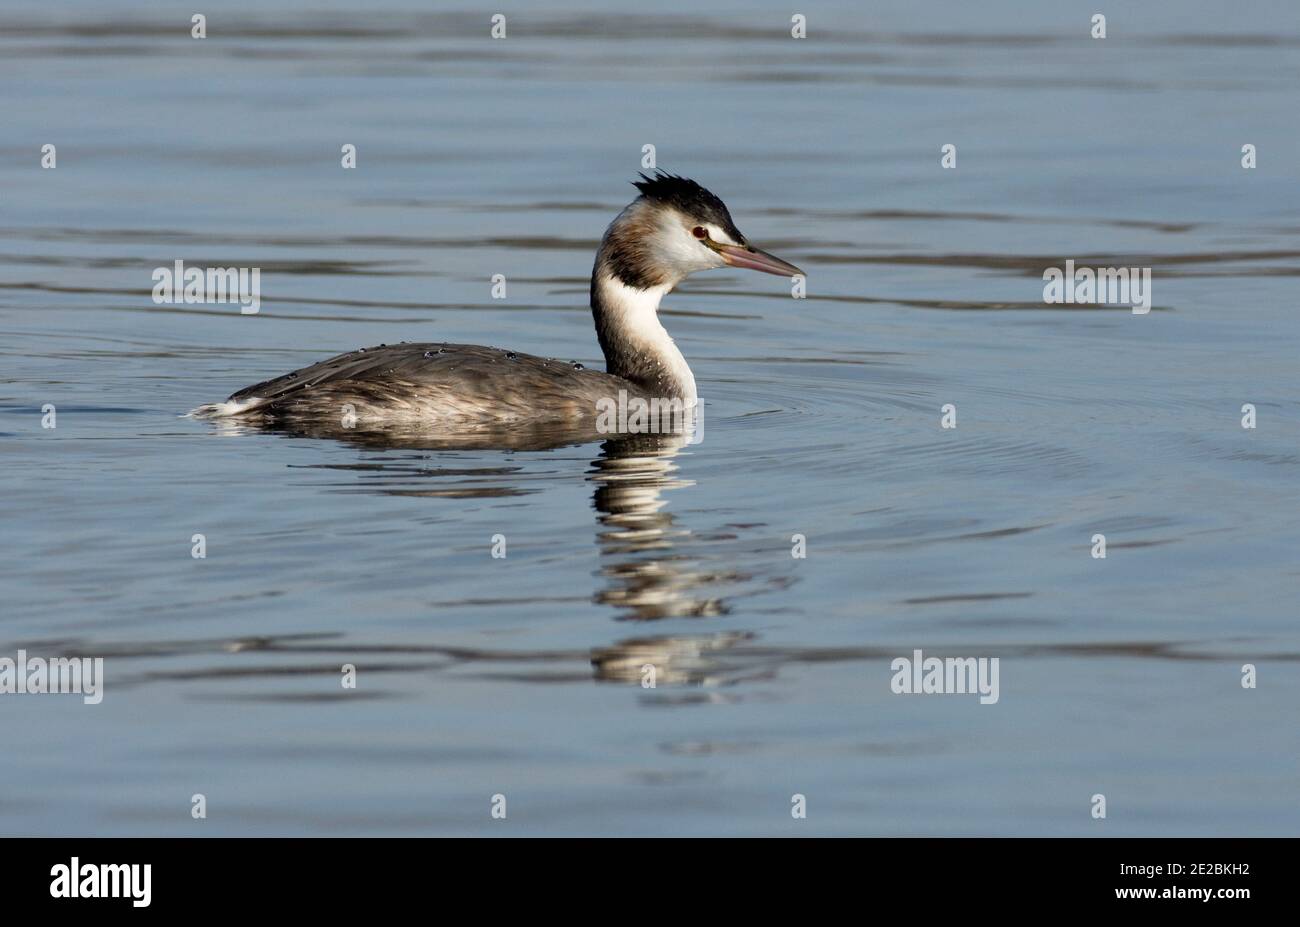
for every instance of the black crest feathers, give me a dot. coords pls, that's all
(688, 197)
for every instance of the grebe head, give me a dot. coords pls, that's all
(674, 229)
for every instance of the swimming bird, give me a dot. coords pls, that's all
(674, 228)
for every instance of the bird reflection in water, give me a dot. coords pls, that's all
(647, 575)
(647, 570)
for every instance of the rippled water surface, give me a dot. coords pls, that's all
(522, 676)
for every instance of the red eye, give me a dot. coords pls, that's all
(700, 232)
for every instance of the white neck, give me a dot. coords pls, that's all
(637, 347)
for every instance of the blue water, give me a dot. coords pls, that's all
(521, 675)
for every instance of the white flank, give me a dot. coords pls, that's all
(225, 409)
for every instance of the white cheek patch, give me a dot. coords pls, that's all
(676, 246)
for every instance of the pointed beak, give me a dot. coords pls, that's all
(753, 259)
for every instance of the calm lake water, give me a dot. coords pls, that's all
(522, 676)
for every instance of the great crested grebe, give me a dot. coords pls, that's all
(673, 229)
